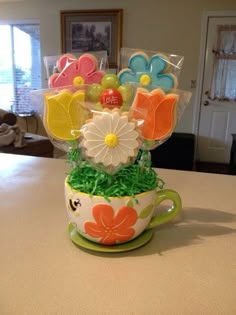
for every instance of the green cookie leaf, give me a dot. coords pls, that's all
(146, 211)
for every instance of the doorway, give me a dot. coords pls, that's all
(216, 112)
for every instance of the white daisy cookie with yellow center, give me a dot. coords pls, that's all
(111, 138)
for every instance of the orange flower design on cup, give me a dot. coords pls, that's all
(109, 227)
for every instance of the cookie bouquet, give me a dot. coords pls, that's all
(107, 123)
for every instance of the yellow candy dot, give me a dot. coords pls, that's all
(78, 81)
(111, 140)
(145, 79)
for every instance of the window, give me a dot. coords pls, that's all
(20, 66)
(223, 85)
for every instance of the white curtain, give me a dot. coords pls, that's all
(223, 84)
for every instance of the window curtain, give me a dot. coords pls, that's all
(223, 83)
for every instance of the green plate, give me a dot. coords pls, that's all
(79, 240)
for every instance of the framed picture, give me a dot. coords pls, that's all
(92, 30)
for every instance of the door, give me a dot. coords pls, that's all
(217, 119)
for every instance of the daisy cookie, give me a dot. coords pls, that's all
(111, 139)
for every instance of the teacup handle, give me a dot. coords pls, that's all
(170, 213)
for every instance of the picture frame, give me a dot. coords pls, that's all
(92, 30)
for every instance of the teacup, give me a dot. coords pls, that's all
(118, 220)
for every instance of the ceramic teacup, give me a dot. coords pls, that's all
(119, 219)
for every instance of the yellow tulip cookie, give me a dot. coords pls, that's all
(65, 113)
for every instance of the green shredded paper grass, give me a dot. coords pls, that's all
(130, 180)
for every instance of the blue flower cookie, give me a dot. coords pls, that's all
(149, 73)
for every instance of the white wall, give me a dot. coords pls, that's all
(169, 26)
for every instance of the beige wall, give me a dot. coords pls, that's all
(169, 26)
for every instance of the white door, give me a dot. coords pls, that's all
(217, 120)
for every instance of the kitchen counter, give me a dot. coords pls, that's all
(188, 267)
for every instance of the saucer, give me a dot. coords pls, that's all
(79, 240)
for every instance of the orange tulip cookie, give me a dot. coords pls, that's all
(158, 111)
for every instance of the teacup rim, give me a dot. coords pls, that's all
(113, 197)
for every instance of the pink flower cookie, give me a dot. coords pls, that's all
(74, 71)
